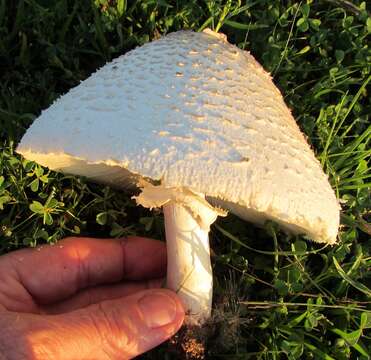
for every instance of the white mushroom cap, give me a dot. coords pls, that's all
(191, 110)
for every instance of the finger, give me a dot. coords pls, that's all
(115, 329)
(52, 273)
(101, 293)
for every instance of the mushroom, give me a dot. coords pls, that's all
(200, 127)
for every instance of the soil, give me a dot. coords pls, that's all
(190, 343)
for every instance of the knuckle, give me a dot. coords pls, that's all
(117, 333)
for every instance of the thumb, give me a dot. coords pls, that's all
(114, 329)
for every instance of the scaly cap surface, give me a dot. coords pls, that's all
(190, 110)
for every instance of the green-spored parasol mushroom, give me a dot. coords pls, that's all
(199, 126)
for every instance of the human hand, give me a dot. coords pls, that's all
(68, 301)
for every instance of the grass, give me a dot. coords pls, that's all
(276, 296)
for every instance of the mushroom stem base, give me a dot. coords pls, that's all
(189, 270)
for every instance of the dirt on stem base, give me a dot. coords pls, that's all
(190, 342)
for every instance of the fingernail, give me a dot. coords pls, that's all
(158, 309)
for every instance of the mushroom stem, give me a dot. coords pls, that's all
(188, 217)
(189, 270)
